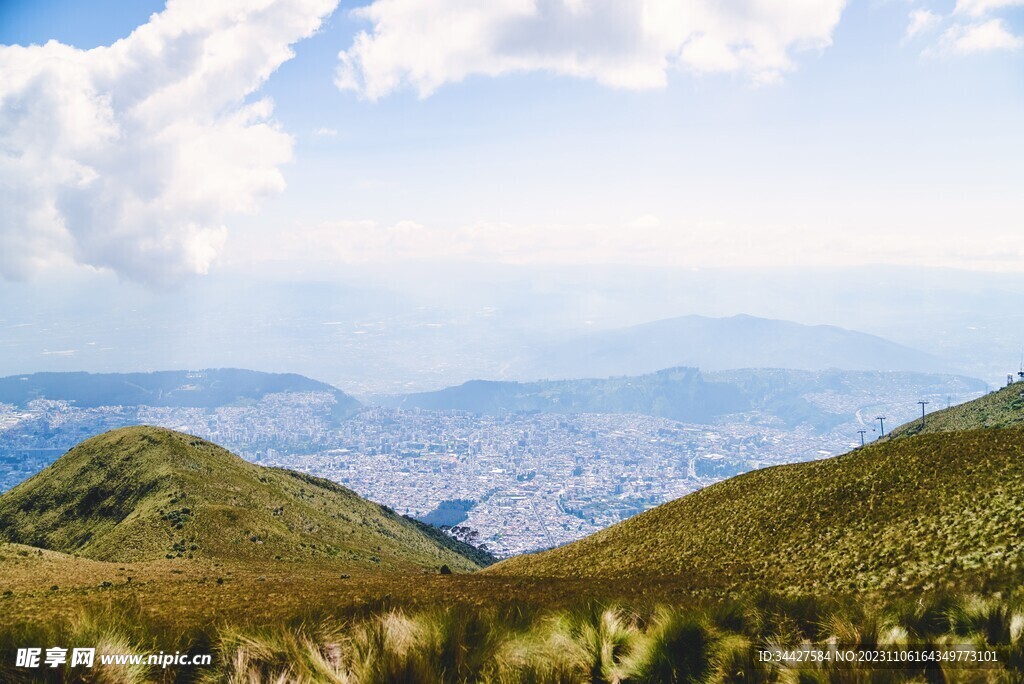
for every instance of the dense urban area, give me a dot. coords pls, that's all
(513, 483)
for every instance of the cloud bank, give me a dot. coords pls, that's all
(620, 44)
(646, 240)
(130, 157)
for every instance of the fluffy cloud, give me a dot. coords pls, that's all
(620, 44)
(131, 156)
(978, 8)
(921, 21)
(983, 37)
(975, 29)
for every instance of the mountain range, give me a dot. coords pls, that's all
(713, 344)
(676, 393)
(792, 397)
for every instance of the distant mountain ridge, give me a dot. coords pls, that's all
(688, 395)
(676, 393)
(713, 344)
(144, 493)
(208, 388)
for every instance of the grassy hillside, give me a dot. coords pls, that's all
(936, 511)
(999, 409)
(146, 493)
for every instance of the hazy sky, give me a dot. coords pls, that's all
(299, 136)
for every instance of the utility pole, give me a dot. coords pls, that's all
(861, 433)
(881, 424)
(923, 404)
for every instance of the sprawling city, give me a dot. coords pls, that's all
(512, 483)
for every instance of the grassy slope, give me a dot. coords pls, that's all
(144, 493)
(1003, 408)
(937, 510)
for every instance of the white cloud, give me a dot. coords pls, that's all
(620, 44)
(131, 156)
(978, 8)
(323, 132)
(921, 21)
(984, 37)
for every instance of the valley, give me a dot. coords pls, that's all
(544, 463)
(793, 556)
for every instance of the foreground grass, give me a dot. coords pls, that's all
(516, 642)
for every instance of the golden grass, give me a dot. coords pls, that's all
(592, 642)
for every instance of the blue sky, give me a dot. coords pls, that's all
(811, 134)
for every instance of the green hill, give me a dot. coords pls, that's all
(999, 409)
(940, 510)
(145, 493)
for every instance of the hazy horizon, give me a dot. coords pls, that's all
(333, 191)
(414, 331)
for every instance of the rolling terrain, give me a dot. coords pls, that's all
(143, 494)
(269, 570)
